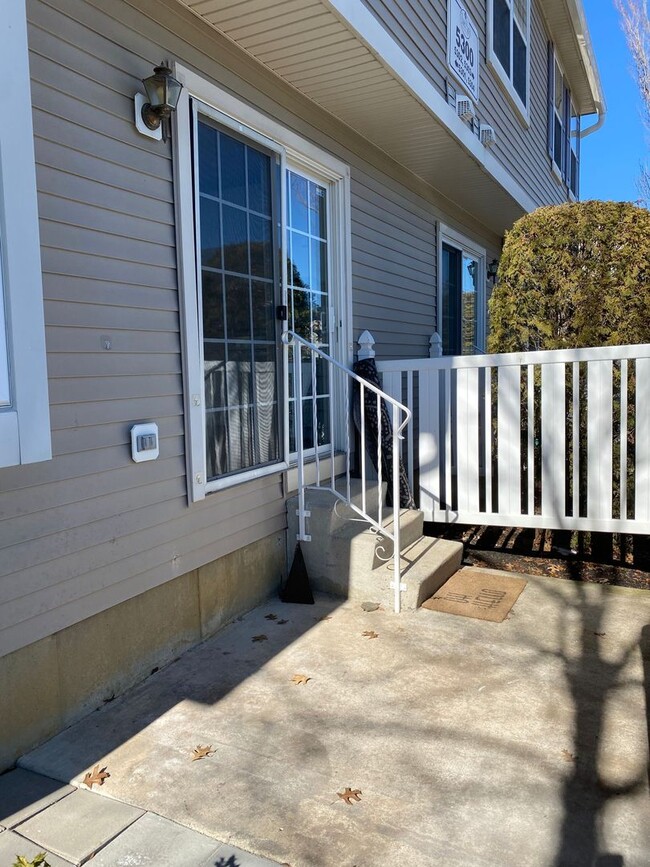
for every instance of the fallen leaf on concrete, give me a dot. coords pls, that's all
(370, 606)
(38, 861)
(281, 622)
(201, 752)
(260, 637)
(370, 633)
(326, 617)
(349, 795)
(600, 634)
(95, 777)
(568, 757)
(300, 678)
(270, 616)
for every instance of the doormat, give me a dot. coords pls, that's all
(477, 593)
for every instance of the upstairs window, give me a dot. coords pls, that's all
(563, 125)
(508, 47)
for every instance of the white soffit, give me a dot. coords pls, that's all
(339, 55)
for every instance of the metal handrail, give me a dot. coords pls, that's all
(290, 338)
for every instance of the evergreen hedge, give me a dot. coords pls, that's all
(573, 275)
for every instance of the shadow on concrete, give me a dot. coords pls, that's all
(592, 679)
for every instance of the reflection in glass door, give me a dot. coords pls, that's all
(460, 299)
(237, 213)
(308, 281)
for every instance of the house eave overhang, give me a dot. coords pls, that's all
(336, 53)
(569, 31)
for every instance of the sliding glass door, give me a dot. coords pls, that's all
(308, 283)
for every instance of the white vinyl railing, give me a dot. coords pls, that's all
(341, 379)
(554, 439)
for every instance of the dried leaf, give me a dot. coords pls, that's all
(201, 752)
(349, 795)
(260, 637)
(300, 678)
(568, 757)
(600, 634)
(326, 617)
(370, 633)
(38, 861)
(370, 606)
(95, 777)
(270, 616)
(281, 622)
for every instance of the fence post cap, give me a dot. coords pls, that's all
(435, 345)
(366, 343)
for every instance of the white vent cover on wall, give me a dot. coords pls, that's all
(465, 108)
(487, 135)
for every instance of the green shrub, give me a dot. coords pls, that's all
(573, 275)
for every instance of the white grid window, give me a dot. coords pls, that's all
(563, 125)
(508, 47)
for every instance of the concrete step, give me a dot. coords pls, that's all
(347, 558)
(365, 544)
(426, 565)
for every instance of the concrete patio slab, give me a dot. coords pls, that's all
(520, 743)
(78, 825)
(12, 845)
(22, 794)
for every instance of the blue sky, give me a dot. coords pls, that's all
(611, 156)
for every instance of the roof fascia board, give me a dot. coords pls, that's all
(358, 18)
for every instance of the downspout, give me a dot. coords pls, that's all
(597, 125)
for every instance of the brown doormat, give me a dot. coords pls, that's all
(477, 593)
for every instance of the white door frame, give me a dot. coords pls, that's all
(449, 236)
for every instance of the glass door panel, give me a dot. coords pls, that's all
(469, 306)
(460, 301)
(450, 301)
(237, 215)
(308, 281)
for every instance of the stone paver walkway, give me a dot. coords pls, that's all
(73, 826)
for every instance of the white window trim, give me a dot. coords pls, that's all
(25, 423)
(563, 174)
(447, 235)
(495, 64)
(295, 150)
(557, 170)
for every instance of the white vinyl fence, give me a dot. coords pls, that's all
(554, 440)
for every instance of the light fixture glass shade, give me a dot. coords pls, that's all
(163, 90)
(163, 93)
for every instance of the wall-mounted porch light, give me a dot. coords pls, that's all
(153, 112)
(492, 270)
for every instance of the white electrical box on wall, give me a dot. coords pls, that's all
(144, 442)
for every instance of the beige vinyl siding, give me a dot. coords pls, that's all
(420, 27)
(90, 528)
(394, 269)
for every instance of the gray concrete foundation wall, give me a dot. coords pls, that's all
(51, 683)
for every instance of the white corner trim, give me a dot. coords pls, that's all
(25, 430)
(358, 18)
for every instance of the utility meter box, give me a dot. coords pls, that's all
(144, 442)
